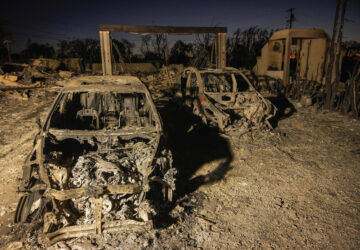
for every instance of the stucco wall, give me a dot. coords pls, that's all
(312, 58)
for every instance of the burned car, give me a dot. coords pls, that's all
(100, 152)
(221, 96)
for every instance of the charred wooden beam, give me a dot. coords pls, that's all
(144, 29)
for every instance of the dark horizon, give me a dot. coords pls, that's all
(66, 20)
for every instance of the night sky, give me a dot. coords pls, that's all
(53, 20)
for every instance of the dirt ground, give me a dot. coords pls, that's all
(296, 186)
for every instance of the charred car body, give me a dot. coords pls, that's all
(221, 96)
(99, 153)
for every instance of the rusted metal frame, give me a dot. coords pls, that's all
(39, 155)
(52, 110)
(226, 69)
(154, 111)
(231, 104)
(49, 221)
(150, 168)
(102, 83)
(144, 91)
(217, 96)
(27, 167)
(84, 230)
(270, 109)
(37, 187)
(96, 193)
(198, 79)
(19, 209)
(27, 170)
(64, 134)
(246, 80)
(187, 91)
(234, 85)
(100, 88)
(74, 193)
(165, 186)
(269, 106)
(219, 115)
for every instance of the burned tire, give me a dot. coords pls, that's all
(25, 211)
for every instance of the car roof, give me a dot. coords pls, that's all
(121, 83)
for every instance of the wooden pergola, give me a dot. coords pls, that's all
(106, 48)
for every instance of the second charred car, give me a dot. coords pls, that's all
(99, 153)
(221, 96)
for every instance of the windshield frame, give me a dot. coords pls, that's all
(158, 123)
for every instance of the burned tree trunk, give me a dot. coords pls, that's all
(355, 89)
(335, 84)
(331, 57)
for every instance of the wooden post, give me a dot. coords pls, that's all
(221, 50)
(141, 29)
(106, 53)
(287, 59)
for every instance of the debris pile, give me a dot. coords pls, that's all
(307, 93)
(165, 83)
(49, 64)
(118, 166)
(17, 86)
(18, 79)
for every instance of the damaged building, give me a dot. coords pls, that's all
(294, 54)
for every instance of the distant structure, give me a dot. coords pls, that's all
(294, 54)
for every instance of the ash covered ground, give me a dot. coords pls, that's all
(296, 186)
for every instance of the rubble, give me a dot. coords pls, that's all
(71, 64)
(46, 63)
(19, 79)
(11, 86)
(9, 77)
(164, 84)
(131, 68)
(66, 74)
(7, 84)
(15, 245)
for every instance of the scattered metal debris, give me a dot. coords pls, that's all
(98, 154)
